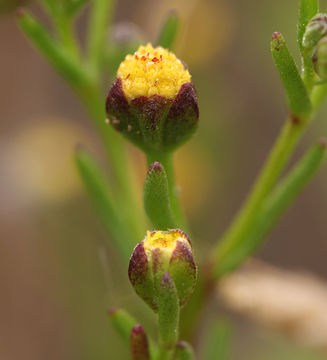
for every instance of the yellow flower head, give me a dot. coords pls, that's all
(152, 71)
(165, 240)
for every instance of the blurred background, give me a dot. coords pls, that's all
(58, 272)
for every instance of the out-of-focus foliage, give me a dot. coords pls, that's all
(10, 5)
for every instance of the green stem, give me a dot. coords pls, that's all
(63, 25)
(100, 193)
(116, 151)
(275, 164)
(91, 94)
(165, 354)
(166, 159)
(168, 317)
(192, 311)
(97, 33)
(319, 93)
(66, 33)
(308, 73)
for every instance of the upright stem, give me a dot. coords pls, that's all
(97, 41)
(165, 354)
(66, 33)
(166, 159)
(116, 151)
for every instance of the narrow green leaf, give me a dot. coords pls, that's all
(169, 31)
(139, 345)
(308, 9)
(99, 191)
(276, 204)
(297, 96)
(56, 55)
(168, 313)
(156, 198)
(184, 351)
(285, 193)
(217, 342)
(51, 7)
(123, 323)
(74, 6)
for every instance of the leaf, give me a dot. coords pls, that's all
(168, 313)
(74, 6)
(156, 198)
(297, 96)
(139, 345)
(99, 191)
(57, 56)
(123, 323)
(275, 205)
(217, 342)
(169, 31)
(184, 351)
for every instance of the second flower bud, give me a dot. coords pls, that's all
(161, 252)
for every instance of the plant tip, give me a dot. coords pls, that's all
(182, 344)
(137, 329)
(112, 311)
(20, 12)
(323, 142)
(276, 35)
(156, 166)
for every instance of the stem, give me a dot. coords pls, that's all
(91, 94)
(100, 193)
(66, 33)
(168, 317)
(166, 159)
(278, 158)
(308, 73)
(63, 25)
(116, 151)
(191, 313)
(165, 354)
(319, 93)
(97, 34)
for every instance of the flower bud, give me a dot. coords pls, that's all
(315, 30)
(139, 343)
(320, 59)
(153, 101)
(159, 253)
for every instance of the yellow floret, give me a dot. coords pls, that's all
(152, 71)
(163, 240)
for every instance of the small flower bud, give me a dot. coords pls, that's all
(153, 101)
(320, 59)
(161, 252)
(315, 30)
(139, 343)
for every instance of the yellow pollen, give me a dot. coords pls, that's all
(163, 240)
(152, 71)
